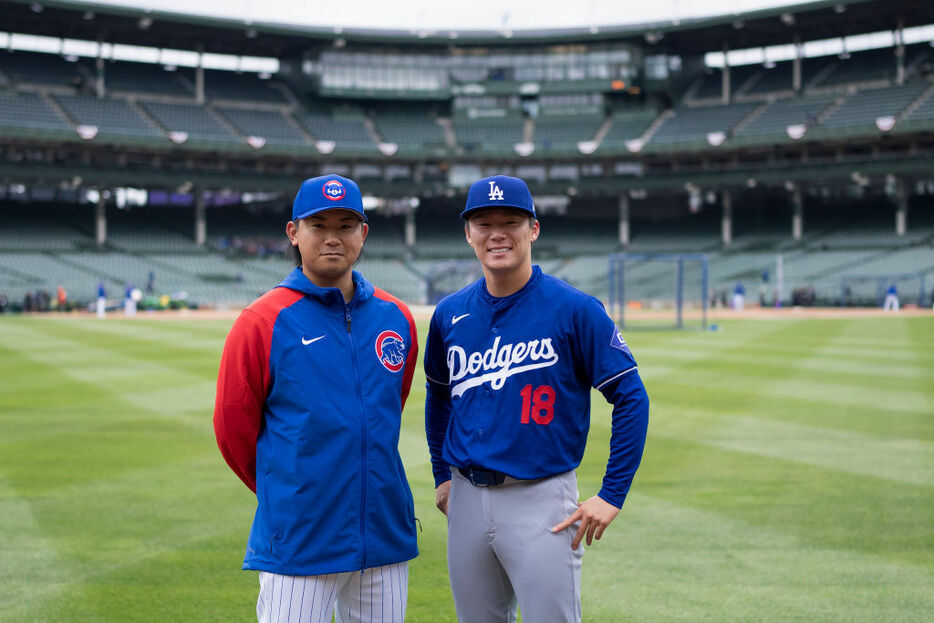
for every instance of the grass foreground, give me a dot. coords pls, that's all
(788, 475)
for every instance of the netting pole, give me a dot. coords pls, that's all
(679, 297)
(704, 294)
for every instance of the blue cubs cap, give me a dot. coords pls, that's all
(499, 191)
(327, 193)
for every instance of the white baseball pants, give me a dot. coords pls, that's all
(376, 595)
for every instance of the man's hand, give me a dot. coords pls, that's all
(595, 515)
(441, 496)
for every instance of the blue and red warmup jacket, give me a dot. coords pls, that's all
(308, 413)
(509, 383)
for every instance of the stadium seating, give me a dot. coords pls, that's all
(860, 67)
(773, 121)
(348, 131)
(200, 126)
(860, 110)
(267, 124)
(227, 85)
(144, 78)
(114, 118)
(689, 127)
(32, 68)
(562, 134)
(29, 114)
(414, 132)
(488, 135)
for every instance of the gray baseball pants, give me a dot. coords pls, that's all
(502, 553)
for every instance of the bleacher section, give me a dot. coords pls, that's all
(862, 67)
(773, 121)
(114, 118)
(29, 114)
(227, 85)
(689, 127)
(415, 132)
(267, 124)
(348, 131)
(33, 68)
(195, 121)
(488, 135)
(862, 109)
(148, 78)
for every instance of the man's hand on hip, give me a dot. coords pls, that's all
(595, 515)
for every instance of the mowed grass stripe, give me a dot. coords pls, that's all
(115, 351)
(904, 460)
(662, 560)
(826, 508)
(683, 401)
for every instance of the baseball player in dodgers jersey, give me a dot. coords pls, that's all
(310, 392)
(510, 361)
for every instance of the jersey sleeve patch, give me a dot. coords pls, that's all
(618, 342)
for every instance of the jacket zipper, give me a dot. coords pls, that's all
(356, 371)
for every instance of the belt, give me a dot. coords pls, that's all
(487, 477)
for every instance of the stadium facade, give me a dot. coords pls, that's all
(796, 172)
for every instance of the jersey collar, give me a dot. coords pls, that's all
(296, 280)
(505, 301)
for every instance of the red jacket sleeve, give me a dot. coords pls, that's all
(242, 385)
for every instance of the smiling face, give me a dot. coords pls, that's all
(502, 240)
(330, 242)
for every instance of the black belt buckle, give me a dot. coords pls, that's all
(482, 477)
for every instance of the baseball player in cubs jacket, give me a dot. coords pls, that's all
(510, 362)
(312, 382)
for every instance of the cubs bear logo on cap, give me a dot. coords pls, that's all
(334, 190)
(327, 192)
(499, 191)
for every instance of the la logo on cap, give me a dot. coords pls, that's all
(333, 190)
(496, 194)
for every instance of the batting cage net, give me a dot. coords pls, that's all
(869, 289)
(658, 291)
(450, 276)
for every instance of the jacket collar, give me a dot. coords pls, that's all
(296, 280)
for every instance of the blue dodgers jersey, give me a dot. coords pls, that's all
(519, 370)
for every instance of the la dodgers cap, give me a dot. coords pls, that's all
(327, 192)
(499, 191)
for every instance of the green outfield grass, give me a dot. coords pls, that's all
(788, 476)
